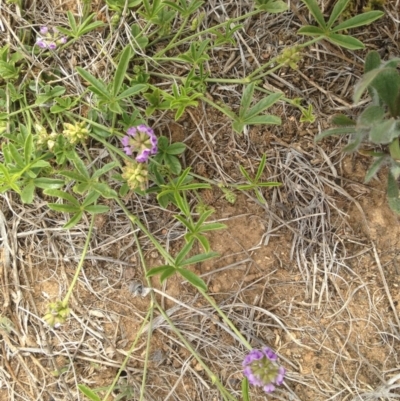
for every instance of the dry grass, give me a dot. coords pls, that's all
(311, 282)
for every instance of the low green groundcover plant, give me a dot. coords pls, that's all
(379, 123)
(45, 134)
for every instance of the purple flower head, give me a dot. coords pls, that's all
(41, 44)
(142, 140)
(49, 38)
(261, 369)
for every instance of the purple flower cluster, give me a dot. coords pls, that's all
(49, 40)
(262, 370)
(140, 139)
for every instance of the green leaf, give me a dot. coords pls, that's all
(346, 41)
(359, 20)
(173, 163)
(213, 226)
(340, 6)
(353, 146)
(28, 193)
(384, 132)
(272, 6)
(335, 131)
(199, 258)
(167, 273)
(133, 90)
(372, 61)
(371, 115)
(245, 390)
(157, 270)
(311, 31)
(246, 98)
(91, 197)
(72, 22)
(238, 126)
(392, 188)
(378, 163)
(262, 105)
(203, 241)
(263, 119)
(176, 148)
(184, 251)
(16, 156)
(65, 208)
(74, 221)
(48, 183)
(342, 120)
(387, 84)
(102, 90)
(119, 75)
(106, 168)
(363, 84)
(105, 190)
(28, 148)
(193, 279)
(81, 167)
(40, 164)
(89, 393)
(97, 209)
(56, 193)
(73, 175)
(312, 5)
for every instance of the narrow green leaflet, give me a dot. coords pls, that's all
(158, 270)
(359, 20)
(338, 9)
(193, 279)
(97, 86)
(121, 70)
(378, 163)
(312, 5)
(346, 41)
(89, 393)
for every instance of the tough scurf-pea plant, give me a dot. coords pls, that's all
(378, 124)
(45, 136)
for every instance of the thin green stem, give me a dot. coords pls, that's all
(226, 319)
(223, 110)
(188, 39)
(123, 365)
(168, 258)
(79, 268)
(254, 75)
(171, 43)
(146, 359)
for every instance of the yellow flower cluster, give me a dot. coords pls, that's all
(136, 175)
(75, 133)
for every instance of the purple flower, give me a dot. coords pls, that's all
(41, 44)
(49, 38)
(261, 369)
(142, 140)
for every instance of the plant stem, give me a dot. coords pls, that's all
(79, 268)
(149, 315)
(254, 75)
(226, 319)
(223, 110)
(188, 39)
